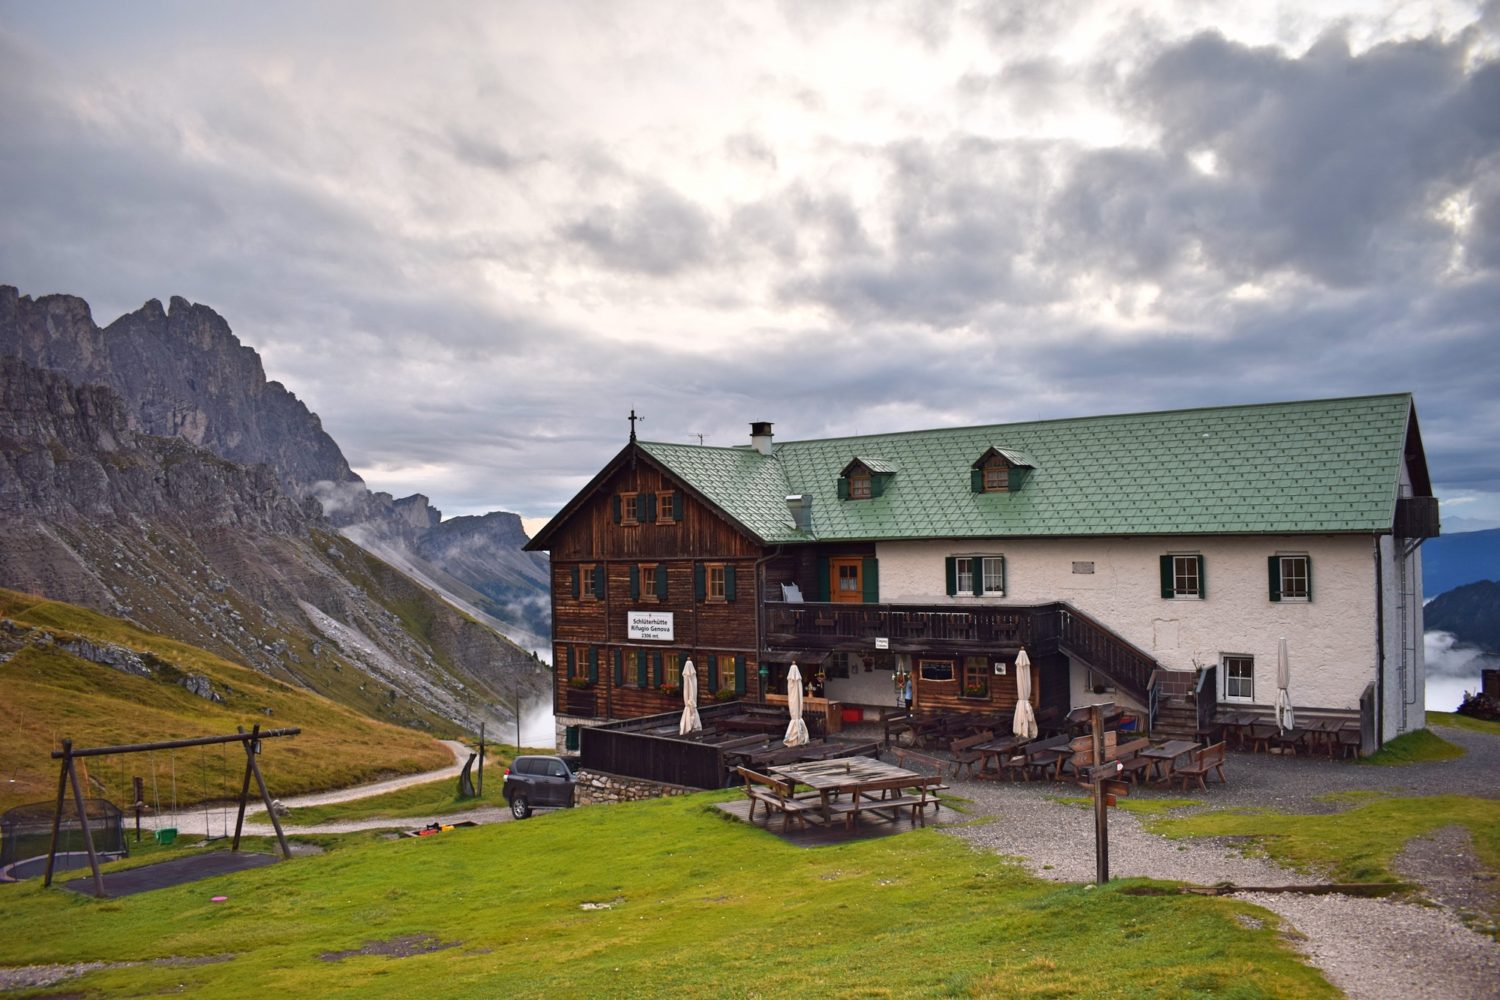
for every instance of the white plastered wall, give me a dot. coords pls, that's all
(1331, 639)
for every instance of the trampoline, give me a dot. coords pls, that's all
(26, 836)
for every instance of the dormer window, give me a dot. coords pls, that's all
(865, 479)
(999, 470)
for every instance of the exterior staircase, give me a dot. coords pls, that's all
(1176, 719)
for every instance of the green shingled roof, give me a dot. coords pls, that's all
(1319, 466)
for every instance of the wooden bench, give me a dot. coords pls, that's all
(1202, 762)
(929, 767)
(776, 796)
(893, 796)
(964, 754)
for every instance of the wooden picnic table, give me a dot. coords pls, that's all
(994, 750)
(846, 774)
(1238, 723)
(1165, 756)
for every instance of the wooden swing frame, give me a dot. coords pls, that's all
(68, 774)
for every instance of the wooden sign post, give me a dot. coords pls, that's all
(1104, 788)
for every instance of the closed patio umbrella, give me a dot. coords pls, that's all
(1284, 717)
(690, 722)
(796, 730)
(1024, 724)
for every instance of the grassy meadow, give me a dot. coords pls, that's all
(668, 897)
(51, 694)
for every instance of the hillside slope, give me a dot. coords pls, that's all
(68, 672)
(1453, 560)
(1470, 613)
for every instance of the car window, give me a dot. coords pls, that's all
(557, 769)
(526, 765)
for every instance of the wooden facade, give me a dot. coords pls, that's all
(636, 542)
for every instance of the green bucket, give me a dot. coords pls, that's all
(166, 835)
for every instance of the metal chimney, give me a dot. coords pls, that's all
(760, 436)
(800, 504)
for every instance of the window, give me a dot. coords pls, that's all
(936, 670)
(713, 582)
(668, 508)
(1182, 577)
(859, 487)
(979, 576)
(591, 583)
(976, 678)
(1291, 578)
(1239, 678)
(630, 508)
(848, 582)
(646, 583)
(671, 669)
(996, 478)
(716, 583)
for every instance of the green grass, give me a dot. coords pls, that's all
(692, 904)
(1421, 746)
(432, 798)
(50, 694)
(1468, 722)
(1357, 845)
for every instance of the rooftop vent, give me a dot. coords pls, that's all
(800, 504)
(760, 436)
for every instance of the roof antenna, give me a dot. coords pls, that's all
(633, 419)
(696, 435)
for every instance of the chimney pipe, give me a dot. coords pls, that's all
(760, 436)
(800, 505)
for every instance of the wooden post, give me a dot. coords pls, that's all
(265, 796)
(481, 758)
(1101, 807)
(239, 822)
(62, 791)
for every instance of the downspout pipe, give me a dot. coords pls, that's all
(1379, 645)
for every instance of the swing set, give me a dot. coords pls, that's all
(68, 775)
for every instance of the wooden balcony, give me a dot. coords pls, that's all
(1042, 629)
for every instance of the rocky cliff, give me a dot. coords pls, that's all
(180, 372)
(96, 511)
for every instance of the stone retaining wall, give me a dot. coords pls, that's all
(596, 787)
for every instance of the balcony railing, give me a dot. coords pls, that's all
(1041, 629)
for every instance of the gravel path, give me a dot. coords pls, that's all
(1369, 948)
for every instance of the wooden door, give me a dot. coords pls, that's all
(845, 585)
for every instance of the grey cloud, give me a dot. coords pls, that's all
(659, 232)
(751, 148)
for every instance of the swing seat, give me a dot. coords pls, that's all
(166, 835)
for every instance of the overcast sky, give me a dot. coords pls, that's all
(473, 237)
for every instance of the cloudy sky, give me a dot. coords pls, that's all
(473, 237)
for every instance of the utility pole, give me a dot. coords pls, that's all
(481, 758)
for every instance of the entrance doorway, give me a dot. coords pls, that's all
(845, 584)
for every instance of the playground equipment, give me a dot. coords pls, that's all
(68, 774)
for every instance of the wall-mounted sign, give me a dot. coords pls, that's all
(649, 625)
(882, 644)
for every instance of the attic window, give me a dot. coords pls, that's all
(865, 479)
(999, 470)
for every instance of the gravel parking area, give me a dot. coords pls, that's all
(1369, 948)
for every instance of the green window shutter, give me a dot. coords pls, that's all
(661, 582)
(869, 578)
(1017, 478)
(1167, 587)
(976, 482)
(951, 565)
(843, 488)
(823, 575)
(711, 676)
(615, 507)
(1202, 581)
(599, 572)
(877, 485)
(648, 508)
(1004, 585)
(575, 583)
(640, 669)
(1273, 572)
(619, 668)
(739, 675)
(656, 670)
(677, 506)
(570, 663)
(1309, 579)
(635, 583)
(593, 664)
(976, 573)
(700, 585)
(728, 583)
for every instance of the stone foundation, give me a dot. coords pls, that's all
(596, 788)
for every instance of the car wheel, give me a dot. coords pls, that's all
(520, 808)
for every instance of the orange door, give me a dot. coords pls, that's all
(844, 581)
